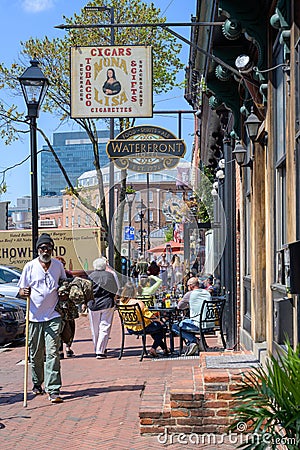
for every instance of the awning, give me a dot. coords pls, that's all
(174, 247)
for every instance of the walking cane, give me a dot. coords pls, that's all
(26, 352)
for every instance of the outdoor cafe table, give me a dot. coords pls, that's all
(171, 314)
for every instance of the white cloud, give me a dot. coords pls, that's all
(37, 5)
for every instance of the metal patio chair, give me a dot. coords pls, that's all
(210, 321)
(132, 315)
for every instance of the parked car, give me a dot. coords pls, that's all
(12, 321)
(9, 289)
(10, 274)
(9, 277)
(17, 301)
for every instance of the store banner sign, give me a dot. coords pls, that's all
(79, 247)
(113, 81)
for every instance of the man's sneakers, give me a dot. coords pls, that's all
(192, 349)
(37, 389)
(55, 398)
(101, 356)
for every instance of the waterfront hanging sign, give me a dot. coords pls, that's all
(113, 81)
(146, 148)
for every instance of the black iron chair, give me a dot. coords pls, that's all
(148, 300)
(132, 315)
(210, 321)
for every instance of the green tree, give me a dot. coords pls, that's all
(53, 56)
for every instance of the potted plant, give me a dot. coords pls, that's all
(268, 404)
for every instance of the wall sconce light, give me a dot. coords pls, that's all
(215, 185)
(214, 192)
(198, 113)
(220, 174)
(243, 64)
(222, 163)
(252, 125)
(240, 154)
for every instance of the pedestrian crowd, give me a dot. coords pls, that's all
(56, 298)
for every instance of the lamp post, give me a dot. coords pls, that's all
(130, 196)
(141, 212)
(111, 195)
(34, 85)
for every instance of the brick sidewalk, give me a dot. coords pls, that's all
(102, 400)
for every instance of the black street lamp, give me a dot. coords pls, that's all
(141, 212)
(34, 85)
(130, 196)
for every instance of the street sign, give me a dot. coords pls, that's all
(129, 233)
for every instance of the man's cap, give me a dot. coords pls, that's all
(44, 238)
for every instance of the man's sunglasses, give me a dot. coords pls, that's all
(45, 247)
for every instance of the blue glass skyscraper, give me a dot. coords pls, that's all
(75, 152)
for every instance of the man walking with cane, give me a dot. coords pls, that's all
(39, 280)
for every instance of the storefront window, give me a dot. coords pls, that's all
(279, 155)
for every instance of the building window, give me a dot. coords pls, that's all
(73, 203)
(78, 221)
(59, 222)
(279, 101)
(150, 196)
(280, 213)
(67, 203)
(248, 235)
(279, 105)
(67, 222)
(136, 217)
(73, 221)
(87, 219)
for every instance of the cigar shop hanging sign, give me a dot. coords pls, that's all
(113, 81)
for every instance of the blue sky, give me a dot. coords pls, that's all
(22, 19)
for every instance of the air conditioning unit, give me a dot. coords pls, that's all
(47, 223)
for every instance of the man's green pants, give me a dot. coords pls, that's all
(44, 341)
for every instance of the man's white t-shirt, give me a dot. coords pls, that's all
(43, 284)
(196, 300)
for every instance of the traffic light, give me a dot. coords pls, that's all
(124, 265)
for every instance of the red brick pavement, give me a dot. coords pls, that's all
(102, 399)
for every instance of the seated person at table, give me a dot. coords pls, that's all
(184, 302)
(153, 326)
(146, 288)
(195, 300)
(210, 286)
